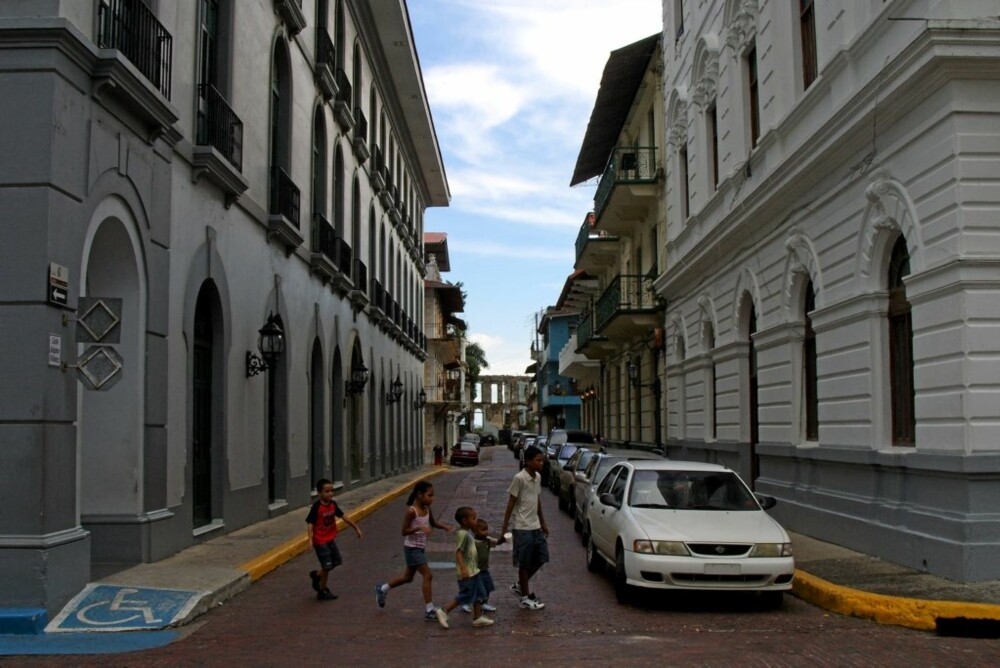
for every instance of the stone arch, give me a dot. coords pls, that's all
(801, 266)
(740, 21)
(706, 308)
(705, 73)
(677, 331)
(677, 118)
(746, 283)
(890, 212)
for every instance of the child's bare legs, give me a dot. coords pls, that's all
(523, 575)
(403, 579)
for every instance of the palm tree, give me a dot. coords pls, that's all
(475, 358)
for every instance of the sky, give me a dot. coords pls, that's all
(511, 85)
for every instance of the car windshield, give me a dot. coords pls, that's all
(567, 451)
(690, 490)
(467, 446)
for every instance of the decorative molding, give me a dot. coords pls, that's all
(742, 26)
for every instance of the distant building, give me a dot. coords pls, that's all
(831, 274)
(176, 175)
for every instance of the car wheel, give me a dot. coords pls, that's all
(623, 592)
(593, 559)
(771, 600)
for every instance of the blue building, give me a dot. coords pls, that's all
(558, 396)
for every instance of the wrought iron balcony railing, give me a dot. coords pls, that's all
(344, 93)
(324, 237)
(325, 52)
(343, 256)
(130, 27)
(219, 126)
(585, 329)
(627, 164)
(627, 293)
(284, 195)
(360, 274)
(360, 125)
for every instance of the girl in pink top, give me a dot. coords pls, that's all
(418, 521)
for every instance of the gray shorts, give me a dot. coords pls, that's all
(531, 549)
(328, 555)
(414, 557)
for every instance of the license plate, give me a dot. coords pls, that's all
(722, 569)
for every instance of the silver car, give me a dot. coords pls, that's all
(567, 478)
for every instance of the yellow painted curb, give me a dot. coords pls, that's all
(908, 612)
(267, 562)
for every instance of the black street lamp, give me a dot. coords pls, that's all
(271, 344)
(395, 393)
(421, 400)
(358, 380)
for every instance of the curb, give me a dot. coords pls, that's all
(920, 614)
(270, 560)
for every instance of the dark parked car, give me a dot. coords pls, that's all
(567, 477)
(488, 439)
(465, 453)
(565, 451)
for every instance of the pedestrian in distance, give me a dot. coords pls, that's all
(438, 455)
(418, 522)
(530, 532)
(484, 543)
(321, 527)
(471, 591)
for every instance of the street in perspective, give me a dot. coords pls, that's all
(279, 620)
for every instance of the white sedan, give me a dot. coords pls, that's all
(686, 525)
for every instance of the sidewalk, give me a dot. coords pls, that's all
(828, 576)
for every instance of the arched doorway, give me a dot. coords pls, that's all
(355, 413)
(337, 420)
(750, 319)
(206, 380)
(903, 410)
(317, 457)
(110, 422)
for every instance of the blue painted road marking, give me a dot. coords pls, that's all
(101, 607)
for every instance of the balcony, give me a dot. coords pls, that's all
(387, 196)
(291, 13)
(134, 64)
(627, 192)
(326, 64)
(628, 309)
(376, 308)
(360, 142)
(359, 295)
(324, 248)
(343, 259)
(218, 153)
(577, 365)
(596, 250)
(342, 109)
(283, 221)
(394, 214)
(376, 170)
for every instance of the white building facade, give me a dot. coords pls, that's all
(214, 165)
(832, 266)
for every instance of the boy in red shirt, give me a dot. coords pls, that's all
(322, 531)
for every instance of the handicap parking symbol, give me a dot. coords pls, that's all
(121, 608)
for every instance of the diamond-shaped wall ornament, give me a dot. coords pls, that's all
(99, 320)
(99, 368)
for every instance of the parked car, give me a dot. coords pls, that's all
(488, 439)
(587, 480)
(558, 437)
(465, 453)
(555, 465)
(519, 445)
(514, 436)
(686, 525)
(528, 441)
(567, 476)
(541, 444)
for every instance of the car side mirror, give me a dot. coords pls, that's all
(609, 499)
(766, 502)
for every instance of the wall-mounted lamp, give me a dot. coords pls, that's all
(394, 394)
(359, 378)
(270, 343)
(633, 376)
(420, 401)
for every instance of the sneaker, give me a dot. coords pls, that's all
(380, 595)
(442, 617)
(482, 621)
(430, 616)
(466, 608)
(314, 576)
(326, 595)
(489, 608)
(531, 603)
(515, 589)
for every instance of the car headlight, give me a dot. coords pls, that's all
(771, 550)
(666, 547)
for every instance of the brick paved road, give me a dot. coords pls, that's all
(278, 622)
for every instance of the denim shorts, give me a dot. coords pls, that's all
(487, 581)
(471, 590)
(414, 556)
(531, 549)
(328, 555)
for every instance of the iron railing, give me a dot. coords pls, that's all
(284, 195)
(360, 124)
(325, 52)
(343, 255)
(585, 329)
(324, 237)
(219, 126)
(626, 293)
(627, 164)
(378, 294)
(344, 93)
(360, 274)
(130, 27)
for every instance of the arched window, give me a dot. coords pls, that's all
(281, 134)
(338, 193)
(319, 163)
(807, 42)
(372, 238)
(901, 349)
(810, 395)
(372, 109)
(359, 90)
(711, 391)
(356, 229)
(341, 30)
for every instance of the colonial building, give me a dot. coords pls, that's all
(831, 266)
(501, 403)
(614, 352)
(212, 288)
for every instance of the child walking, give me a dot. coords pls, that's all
(418, 521)
(321, 527)
(471, 591)
(524, 507)
(484, 543)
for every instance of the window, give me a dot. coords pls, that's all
(338, 193)
(807, 35)
(682, 176)
(678, 18)
(358, 89)
(319, 163)
(712, 117)
(754, 94)
(809, 369)
(901, 349)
